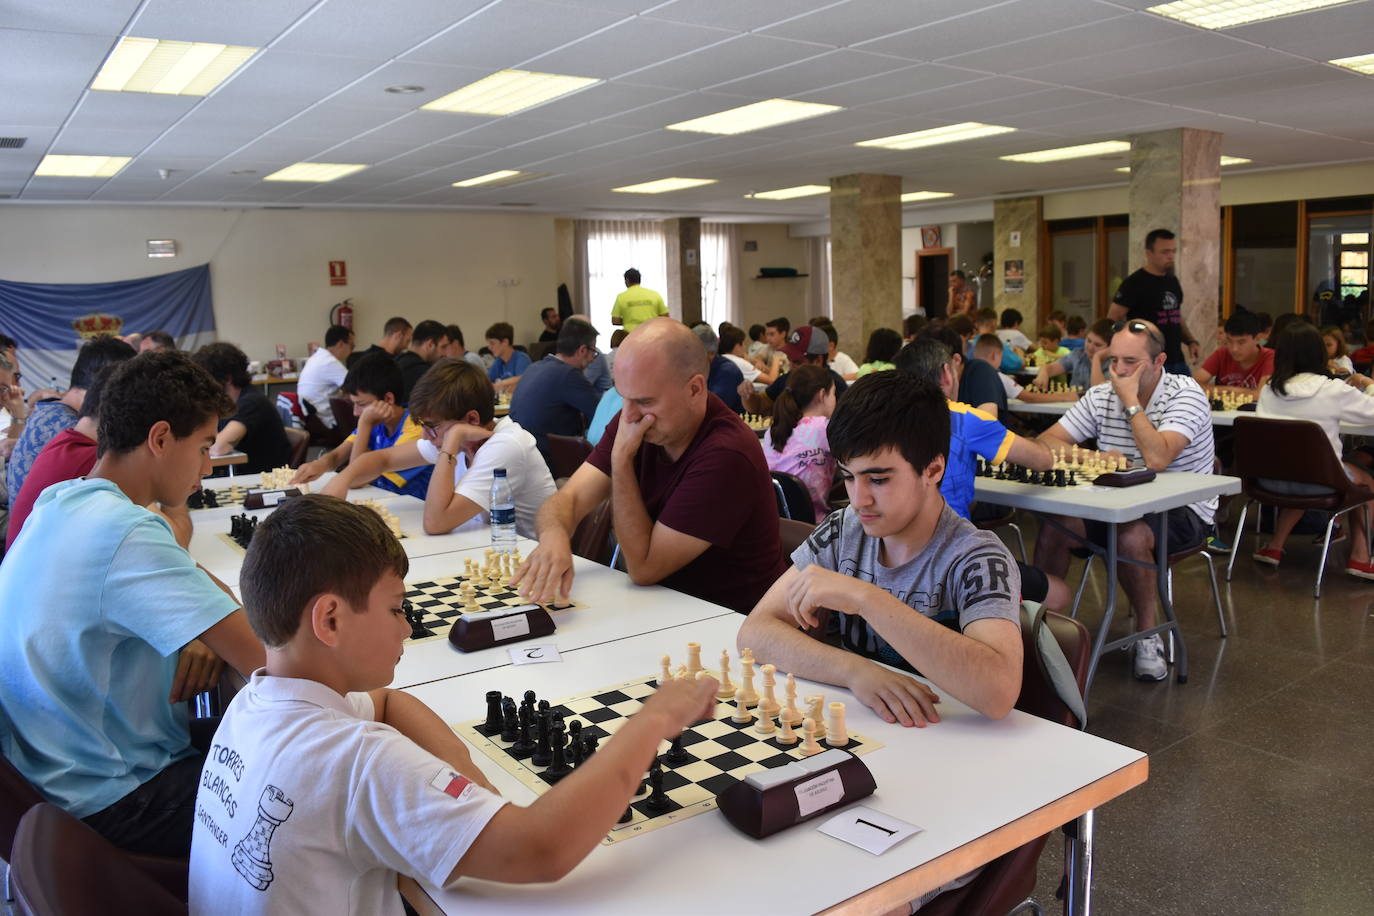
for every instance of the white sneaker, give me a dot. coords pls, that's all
(1149, 659)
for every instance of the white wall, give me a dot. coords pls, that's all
(269, 268)
(763, 300)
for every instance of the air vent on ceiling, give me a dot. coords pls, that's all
(272, 207)
(13, 142)
(516, 204)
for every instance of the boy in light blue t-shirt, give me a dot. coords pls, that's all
(109, 625)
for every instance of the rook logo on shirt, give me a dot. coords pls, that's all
(252, 856)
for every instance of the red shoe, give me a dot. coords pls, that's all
(1360, 570)
(1268, 556)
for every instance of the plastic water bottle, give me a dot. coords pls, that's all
(502, 513)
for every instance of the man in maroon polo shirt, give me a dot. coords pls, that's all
(693, 505)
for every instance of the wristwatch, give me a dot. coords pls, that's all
(1132, 411)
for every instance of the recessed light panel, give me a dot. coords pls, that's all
(508, 91)
(1226, 14)
(1225, 161)
(1105, 148)
(81, 166)
(954, 133)
(912, 196)
(314, 172)
(1363, 63)
(664, 185)
(803, 190)
(757, 116)
(169, 67)
(504, 176)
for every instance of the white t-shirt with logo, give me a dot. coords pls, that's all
(509, 447)
(307, 805)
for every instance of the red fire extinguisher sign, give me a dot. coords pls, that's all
(338, 273)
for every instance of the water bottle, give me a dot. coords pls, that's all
(502, 513)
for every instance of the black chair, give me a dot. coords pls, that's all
(792, 533)
(794, 500)
(1004, 519)
(566, 453)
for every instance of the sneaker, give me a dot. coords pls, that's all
(1149, 659)
(1218, 546)
(1268, 556)
(1360, 570)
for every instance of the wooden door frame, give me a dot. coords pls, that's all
(930, 253)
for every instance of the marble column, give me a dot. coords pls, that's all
(683, 239)
(865, 257)
(1016, 224)
(1176, 185)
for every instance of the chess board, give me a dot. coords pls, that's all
(723, 753)
(234, 545)
(225, 497)
(434, 605)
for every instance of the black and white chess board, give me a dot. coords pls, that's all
(436, 604)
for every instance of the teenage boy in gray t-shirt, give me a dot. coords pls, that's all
(912, 584)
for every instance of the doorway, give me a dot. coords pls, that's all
(932, 280)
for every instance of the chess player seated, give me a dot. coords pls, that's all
(454, 403)
(990, 349)
(911, 584)
(692, 502)
(1084, 366)
(323, 785)
(108, 624)
(1242, 365)
(1148, 415)
(375, 387)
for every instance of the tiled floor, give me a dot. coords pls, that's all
(1261, 791)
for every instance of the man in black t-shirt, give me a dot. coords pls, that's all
(1154, 294)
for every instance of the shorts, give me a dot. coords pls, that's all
(1185, 529)
(1035, 585)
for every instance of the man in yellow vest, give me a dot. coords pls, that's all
(636, 305)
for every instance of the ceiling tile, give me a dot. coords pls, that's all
(1339, 31)
(369, 91)
(421, 127)
(989, 28)
(738, 57)
(372, 30)
(508, 34)
(103, 141)
(899, 82)
(1089, 40)
(731, 14)
(626, 47)
(855, 21)
(128, 110)
(334, 123)
(43, 73)
(829, 69)
(92, 17)
(243, 22)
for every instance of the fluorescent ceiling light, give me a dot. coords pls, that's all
(803, 190)
(508, 91)
(954, 133)
(169, 67)
(1363, 63)
(1225, 160)
(488, 178)
(313, 172)
(81, 166)
(754, 117)
(910, 196)
(1225, 14)
(1106, 147)
(664, 185)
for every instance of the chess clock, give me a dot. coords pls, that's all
(770, 801)
(485, 629)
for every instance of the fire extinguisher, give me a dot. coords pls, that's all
(342, 313)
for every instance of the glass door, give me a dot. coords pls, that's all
(1338, 265)
(1073, 266)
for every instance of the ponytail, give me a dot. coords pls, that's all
(786, 416)
(804, 385)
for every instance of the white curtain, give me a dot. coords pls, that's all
(818, 266)
(720, 288)
(608, 248)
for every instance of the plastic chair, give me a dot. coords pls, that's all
(792, 533)
(566, 453)
(1006, 519)
(592, 539)
(17, 796)
(300, 443)
(794, 498)
(1296, 451)
(1006, 883)
(62, 867)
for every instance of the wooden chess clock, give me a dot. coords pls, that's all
(261, 499)
(482, 630)
(766, 802)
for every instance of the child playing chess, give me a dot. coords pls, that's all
(990, 349)
(1242, 365)
(1085, 367)
(1049, 349)
(323, 785)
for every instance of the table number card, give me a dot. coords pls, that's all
(871, 831)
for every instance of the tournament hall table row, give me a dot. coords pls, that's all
(1219, 417)
(1117, 506)
(977, 788)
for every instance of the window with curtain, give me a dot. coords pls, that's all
(720, 293)
(609, 248)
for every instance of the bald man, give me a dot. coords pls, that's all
(692, 502)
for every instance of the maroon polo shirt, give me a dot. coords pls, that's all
(718, 491)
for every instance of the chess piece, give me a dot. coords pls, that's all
(726, 689)
(810, 745)
(543, 749)
(748, 695)
(524, 741)
(836, 733)
(558, 766)
(658, 801)
(765, 724)
(682, 673)
(510, 723)
(786, 737)
(693, 659)
(492, 726)
(677, 754)
(575, 740)
(769, 704)
(791, 715)
(817, 712)
(742, 714)
(665, 670)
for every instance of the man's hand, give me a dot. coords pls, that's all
(894, 696)
(682, 703)
(629, 437)
(198, 669)
(380, 412)
(466, 438)
(1127, 386)
(1042, 378)
(43, 394)
(13, 401)
(815, 589)
(311, 470)
(547, 574)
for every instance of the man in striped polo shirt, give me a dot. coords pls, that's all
(1149, 415)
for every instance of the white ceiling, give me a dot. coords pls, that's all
(1062, 71)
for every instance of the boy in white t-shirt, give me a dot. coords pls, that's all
(322, 785)
(455, 403)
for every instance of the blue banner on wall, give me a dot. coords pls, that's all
(50, 320)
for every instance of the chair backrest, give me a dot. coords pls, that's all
(17, 796)
(342, 409)
(592, 539)
(300, 443)
(1038, 694)
(1293, 450)
(792, 533)
(566, 453)
(795, 495)
(61, 867)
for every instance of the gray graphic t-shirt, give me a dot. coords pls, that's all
(962, 575)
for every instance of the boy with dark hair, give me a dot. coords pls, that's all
(108, 622)
(913, 585)
(1154, 294)
(1242, 364)
(50, 417)
(554, 394)
(1010, 331)
(457, 347)
(1074, 328)
(426, 345)
(157, 340)
(374, 386)
(367, 782)
(979, 385)
(395, 338)
(455, 405)
(1047, 340)
(323, 373)
(255, 428)
(985, 323)
(508, 363)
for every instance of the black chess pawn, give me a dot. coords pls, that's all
(543, 750)
(677, 754)
(524, 739)
(510, 720)
(558, 766)
(574, 735)
(658, 801)
(1060, 479)
(590, 740)
(1073, 478)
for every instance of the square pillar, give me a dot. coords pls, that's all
(1176, 185)
(865, 257)
(1016, 225)
(682, 237)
